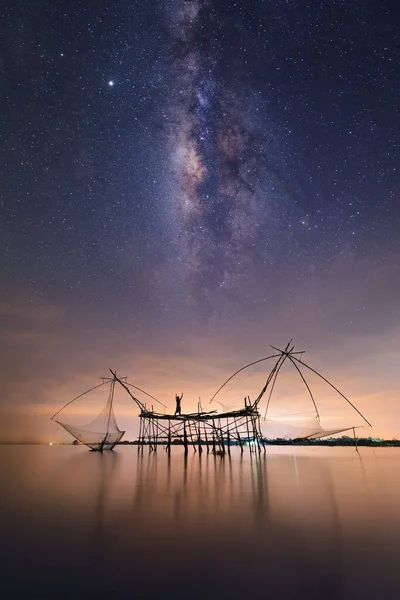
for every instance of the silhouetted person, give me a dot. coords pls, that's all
(178, 404)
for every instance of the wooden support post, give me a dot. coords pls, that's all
(140, 434)
(150, 434)
(198, 428)
(143, 430)
(255, 432)
(193, 436)
(185, 442)
(221, 437)
(155, 433)
(248, 433)
(239, 438)
(206, 437)
(260, 433)
(169, 437)
(199, 437)
(354, 432)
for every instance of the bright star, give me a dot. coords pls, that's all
(111, 83)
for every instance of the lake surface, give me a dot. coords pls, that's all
(290, 523)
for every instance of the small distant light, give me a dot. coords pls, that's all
(51, 443)
(110, 83)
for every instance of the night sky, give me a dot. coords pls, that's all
(185, 183)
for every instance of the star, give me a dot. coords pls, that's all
(111, 83)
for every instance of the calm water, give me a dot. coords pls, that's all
(303, 523)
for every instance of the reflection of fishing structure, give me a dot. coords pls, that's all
(211, 429)
(107, 470)
(200, 484)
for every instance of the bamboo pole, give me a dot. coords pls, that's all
(140, 434)
(354, 432)
(248, 433)
(199, 437)
(221, 437)
(169, 437)
(307, 386)
(192, 437)
(206, 437)
(185, 442)
(239, 438)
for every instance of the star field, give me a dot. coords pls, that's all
(199, 168)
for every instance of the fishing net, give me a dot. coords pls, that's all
(308, 428)
(289, 427)
(100, 434)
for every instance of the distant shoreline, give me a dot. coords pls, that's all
(341, 442)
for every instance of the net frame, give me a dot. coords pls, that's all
(103, 432)
(314, 430)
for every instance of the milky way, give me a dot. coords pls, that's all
(231, 198)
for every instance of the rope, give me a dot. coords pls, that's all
(335, 388)
(80, 396)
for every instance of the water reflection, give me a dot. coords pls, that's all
(290, 522)
(105, 466)
(257, 486)
(182, 485)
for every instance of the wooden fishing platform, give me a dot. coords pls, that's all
(218, 431)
